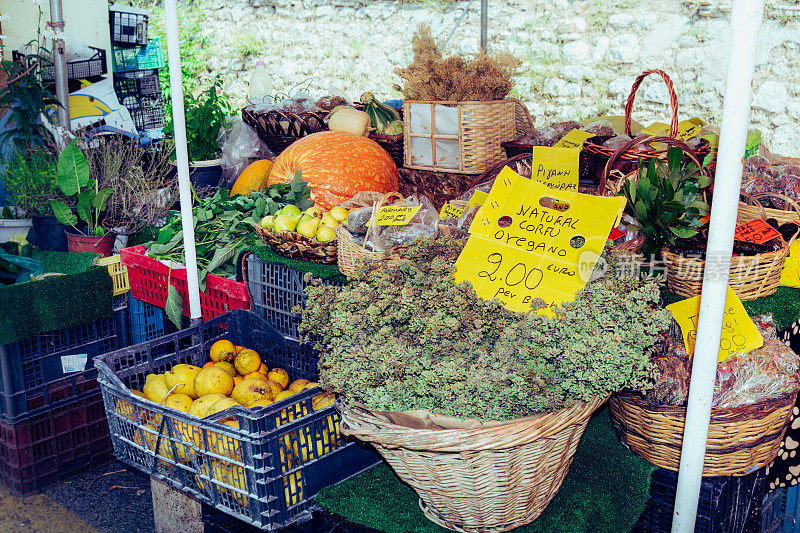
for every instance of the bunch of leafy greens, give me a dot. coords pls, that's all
(205, 114)
(665, 200)
(30, 180)
(223, 228)
(405, 336)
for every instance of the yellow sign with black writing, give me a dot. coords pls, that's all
(686, 129)
(573, 139)
(477, 198)
(450, 211)
(739, 334)
(396, 215)
(555, 167)
(529, 241)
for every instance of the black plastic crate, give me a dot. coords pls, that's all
(726, 505)
(321, 522)
(128, 24)
(33, 375)
(275, 290)
(263, 472)
(146, 111)
(137, 83)
(83, 68)
(51, 447)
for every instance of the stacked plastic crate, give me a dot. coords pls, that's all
(137, 61)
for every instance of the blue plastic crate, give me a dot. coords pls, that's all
(275, 290)
(781, 512)
(146, 321)
(267, 470)
(54, 368)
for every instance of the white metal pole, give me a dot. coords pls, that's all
(60, 63)
(484, 25)
(746, 17)
(182, 158)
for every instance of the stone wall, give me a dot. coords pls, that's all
(579, 58)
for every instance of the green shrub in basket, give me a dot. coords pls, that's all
(404, 336)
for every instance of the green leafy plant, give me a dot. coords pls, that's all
(205, 114)
(73, 178)
(404, 335)
(30, 180)
(665, 200)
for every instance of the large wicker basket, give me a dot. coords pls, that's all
(740, 439)
(485, 479)
(482, 127)
(278, 128)
(626, 162)
(751, 277)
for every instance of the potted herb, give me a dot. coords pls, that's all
(74, 181)
(205, 114)
(29, 182)
(464, 389)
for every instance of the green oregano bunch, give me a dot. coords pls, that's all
(404, 335)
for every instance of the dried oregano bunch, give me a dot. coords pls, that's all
(405, 336)
(430, 76)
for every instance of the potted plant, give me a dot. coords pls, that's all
(449, 387)
(74, 181)
(205, 114)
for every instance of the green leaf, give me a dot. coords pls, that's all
(85, 205)
(165, 235)
(173, 306)
(99, 201)
(63, 213)
(222, 255)
(641, 211)
(72, 170)
(261, 206)
(683, 233)
(704, 181)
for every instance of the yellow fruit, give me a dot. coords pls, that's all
(293, 488)
(325, 234)
(236, 380)
(238, 349)
(138, 393)
(200, 406)
(328, 221)
(155, 389)
(320, 401)
(251, 390)
(247, 361)
(222, 351)
(178, 401)
(339, 213)
(227, 367)
(274, 386)
(255, 375)
(252, 178)
(298, 385)
(311, 385)
(213, 380)
(181, 379)
(262, 402)
(210, 363)
(221, 405)
(283, 395)
(280, 376)
(264, 369)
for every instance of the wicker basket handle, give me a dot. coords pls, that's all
(753, 198)
(522, 118)
(373, 223)
(673, 100)
(602, 187)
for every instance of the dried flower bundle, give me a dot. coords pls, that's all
(406, 336)
(430, 76)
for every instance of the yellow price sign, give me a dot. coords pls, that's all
(478, 198)
(573, 139)
(686, 128)
(396, 215)
(450, 211)
(556, 167)
(529, 241)
(739, 333)
(790, 275)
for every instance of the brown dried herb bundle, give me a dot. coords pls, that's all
(430, 76)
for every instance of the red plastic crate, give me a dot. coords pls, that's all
(148, 279)
(51, 447)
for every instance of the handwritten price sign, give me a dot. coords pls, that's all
(686, 128)
(521, 249)
(756, 231)
(396, 215)
(573, 139)
(739, 334)
(450, 211)
(556, 167)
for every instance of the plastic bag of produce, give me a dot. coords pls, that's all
(240, 146)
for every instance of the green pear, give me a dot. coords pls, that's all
(314, 211)
(329, 221)
(285, 223)
(290, 210)
(308, 227)
(268, 221)
(325, 234)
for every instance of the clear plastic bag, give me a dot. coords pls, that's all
(424, 223)
(240, 146)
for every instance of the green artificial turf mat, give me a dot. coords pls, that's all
(606, 490)
(330, 272)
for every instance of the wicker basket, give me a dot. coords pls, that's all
(482, 126)
(278, 129)
(393, 144)
(350, 252)
(752, 209)
(486, 479)
(298, 246)
(751, 277)
(626, 162)
(740, 439)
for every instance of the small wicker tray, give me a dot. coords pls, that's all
(740, 439)
(279, 129)
(298, 246)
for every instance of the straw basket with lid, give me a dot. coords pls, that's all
(626, 161)
(475, 476)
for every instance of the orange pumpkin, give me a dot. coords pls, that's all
(336, 165)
